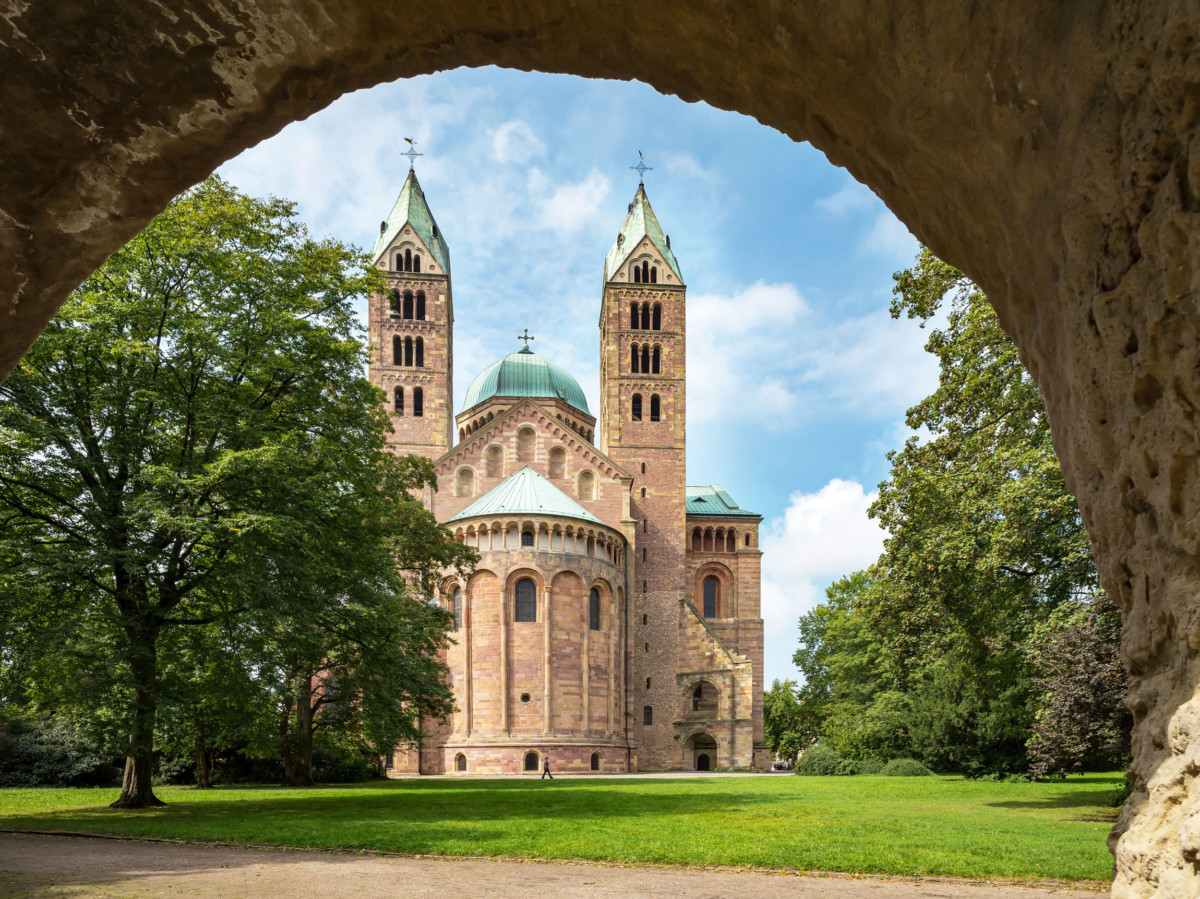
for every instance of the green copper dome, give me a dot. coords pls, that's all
(525, 373)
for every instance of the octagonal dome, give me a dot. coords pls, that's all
(525, 373)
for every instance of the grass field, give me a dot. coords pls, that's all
(920, 826)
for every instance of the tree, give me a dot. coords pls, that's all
(782, 727)
(190, 439)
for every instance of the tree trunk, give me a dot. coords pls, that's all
(137, 791)
(304, 731)
(203, 780)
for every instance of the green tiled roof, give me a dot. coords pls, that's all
(412, 209)
(640, 222)
(526, 493)
(525, 373)
(713, 500)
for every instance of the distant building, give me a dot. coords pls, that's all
(613, 623)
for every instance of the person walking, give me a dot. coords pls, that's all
(546, 769)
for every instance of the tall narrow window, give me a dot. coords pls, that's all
(654, 274)
(558, 462)
(421, 352)
(417, 262)
(633, 316)
(647, 679)
(408, 304)
(730, 543)
(656, 360)
(526, 601)
(637, 407)
(655, 408)
(418, 402)
(398, 400)
(460, 762)
(526, 444)
(595, 761)
(637, 275)
(647, 716)
(634, 358)
(458, 616)
(464, 483)
(399, 262)
(421, 305)
(645, 272)
(645, 316)
(710, 597)
(408, 351)
(645, 358)
(395, 302)
(696, 540)
(408, 260)
(495, 461)
(594, 610)
(587, 486)
(656, 323)
(397, 350)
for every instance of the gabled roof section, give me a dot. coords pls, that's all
(639, 222)
(713, 500)
(526, 493)
(411, 209)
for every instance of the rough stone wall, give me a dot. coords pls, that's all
(1047, 149)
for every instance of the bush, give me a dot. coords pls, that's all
(870, 766)
(53, 752)
(905, 768)
(347, 771)
(822, 761)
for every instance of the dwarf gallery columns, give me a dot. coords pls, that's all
(547, 668)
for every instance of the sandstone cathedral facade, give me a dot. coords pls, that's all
(613, 623)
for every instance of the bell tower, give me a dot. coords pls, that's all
(412, 326)
(643, 427)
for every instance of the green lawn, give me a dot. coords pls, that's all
(921, 825)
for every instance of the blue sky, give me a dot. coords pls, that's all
(798, 379)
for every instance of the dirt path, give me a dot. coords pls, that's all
(70, 867)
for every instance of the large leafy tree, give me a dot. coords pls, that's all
(192, 441)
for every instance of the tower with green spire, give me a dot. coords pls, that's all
(412, 326)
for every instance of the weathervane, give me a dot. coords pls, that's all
(526, 337)
(641, 168)
(412, 153)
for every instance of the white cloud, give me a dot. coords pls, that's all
(820, 537)
(566, 208)
(853, 197)
(514, 141)
(888, 236)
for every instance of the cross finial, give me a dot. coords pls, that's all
(526, 337)
(412, 153)
(641, 168)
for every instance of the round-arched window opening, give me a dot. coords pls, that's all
(527, 538)
(460, 762)
(526, 600)
(525, 697)
(531, 761)
(595, 761)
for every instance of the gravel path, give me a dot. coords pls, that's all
(70, 867)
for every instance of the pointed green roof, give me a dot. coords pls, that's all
(713, 500)
(412, 209)
(525, 373)
(526, 493)
(639, 222)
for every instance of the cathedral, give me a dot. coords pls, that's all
(613, 623)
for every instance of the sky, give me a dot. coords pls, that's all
(798, 378)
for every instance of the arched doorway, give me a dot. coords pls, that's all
(531, 761)
(703, 752)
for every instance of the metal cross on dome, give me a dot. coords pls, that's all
(526, 337)
(412, 153)
(641, 168)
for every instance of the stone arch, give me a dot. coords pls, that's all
(460, 763)
(464, 481)
(558, 463)
(702, 696)
(1071, 280)
(526, 444)
(726, 598)
(494, 461)
(586, 486)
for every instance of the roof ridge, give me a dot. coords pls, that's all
(526, 492)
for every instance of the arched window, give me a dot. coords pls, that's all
(397, 350)
(654, 274)
(633, 316)
(710, 597)
(460, 762)
(656, 360)
(417, 262)
(634, 358)
(730, 542)
(495, 461)
(595, 761)
(637, 274)
(647, 716)
(421, 305)
(558, 462)
(636, 406)
(747, 539)
(395, 301)
(656, 324)
(531, 761)
(594, 610)
(420, 357)
(527, 538)
(408, 348)
(464, 483)
(526, 604)
(408, 304)
(696, 538)
(645, 358)
(587, 486)
(645, 316)
(645, 272)
(458, 615)
(655, 408)
(398, 400)
(408, 260)
(643, 468)
(526, 443)
(418, 402)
